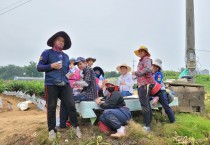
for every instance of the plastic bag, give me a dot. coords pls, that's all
(24, 105)
(1, 103)
(81, 83)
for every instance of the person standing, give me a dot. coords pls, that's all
(145, 82)
(55, 63)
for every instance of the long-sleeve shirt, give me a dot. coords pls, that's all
(90, 90)
(114, 101)
(53, 76)
(144, 72)
(129, 83)
(75, 77)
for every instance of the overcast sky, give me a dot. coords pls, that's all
(109, 30)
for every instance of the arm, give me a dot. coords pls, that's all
(130, 81)
(147, 68)
(76, 75)
(118, 82)
(43, 62)
(88, 76)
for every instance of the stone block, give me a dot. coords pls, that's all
(185, 109)
(197, 103)
(184, 102)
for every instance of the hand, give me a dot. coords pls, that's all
(71, 74)
(123, 83)
(133, 73)
(98, 100)
(56, 65)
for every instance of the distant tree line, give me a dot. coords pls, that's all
(111, 74)
(10, 71)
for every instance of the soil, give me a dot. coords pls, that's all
(19, 127)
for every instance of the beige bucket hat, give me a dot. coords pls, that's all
(124, 65)
(142, 48)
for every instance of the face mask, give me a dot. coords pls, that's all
(97, 75)
(110, 89)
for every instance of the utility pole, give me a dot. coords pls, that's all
(190, 40)
(133, 64)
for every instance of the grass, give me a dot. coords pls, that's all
(190, 125)
(190, 128)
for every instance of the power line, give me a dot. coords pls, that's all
(202, 50)
(11, 5)
(15, 7)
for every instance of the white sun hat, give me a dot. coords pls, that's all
(157, 62)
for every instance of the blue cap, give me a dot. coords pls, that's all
(78, 60)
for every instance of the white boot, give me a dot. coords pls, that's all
(78, 132)
(52, 135)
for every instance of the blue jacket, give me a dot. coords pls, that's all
(53, 76)
(158, 76)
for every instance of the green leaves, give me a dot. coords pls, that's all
(28, 87)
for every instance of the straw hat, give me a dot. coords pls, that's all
(157, 62)
(124, 65)
(142, 48)
(90, 58)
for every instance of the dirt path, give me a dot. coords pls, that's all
(19, 127)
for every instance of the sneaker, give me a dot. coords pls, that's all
(52, 135)
(103, 128)
(146, 129)
(78, 132)
(155, 101)
(118, 135)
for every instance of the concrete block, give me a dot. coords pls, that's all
(179, 95)
(185, 109)
(191, 96)
(197, 103)
(184, 102)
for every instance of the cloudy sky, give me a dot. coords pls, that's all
(109, 30)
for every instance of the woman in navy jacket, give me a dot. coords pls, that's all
(55, 63)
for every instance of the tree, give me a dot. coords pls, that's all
(31, 70)
(111, 74)
(10, 71)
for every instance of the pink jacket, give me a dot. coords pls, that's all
(75, 77)
(144, 72)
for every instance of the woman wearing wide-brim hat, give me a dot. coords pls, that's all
(125, 80)
(100, 80)
(144, 79)
(55, 63)
(90, 61)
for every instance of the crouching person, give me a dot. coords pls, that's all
(116, 114)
